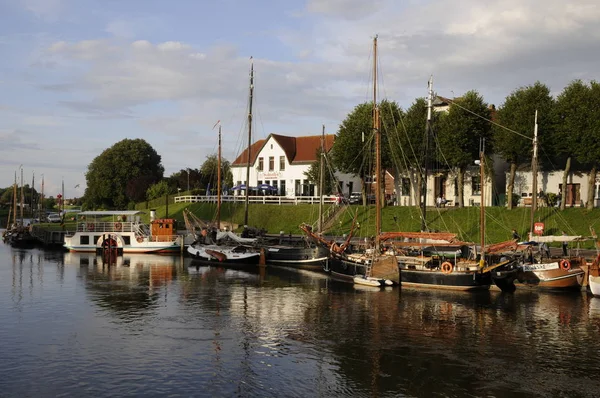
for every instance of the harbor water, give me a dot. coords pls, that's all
(146, 325)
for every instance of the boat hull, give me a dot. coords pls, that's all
(384, 267)
(313, 258)
(594, 284)
(452, 281)
(224, 255)
(550, 276)
(125, 242)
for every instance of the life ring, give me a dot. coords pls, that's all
(118, 226)
(90, 226)
(140, 239)
(565, 265)
(447, 267)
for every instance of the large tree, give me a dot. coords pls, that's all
(111, 172)
(587, 145)
(513, 139)
(460, 134)
(353, 151)
(571, 118)
(407, 143)
(209, 169)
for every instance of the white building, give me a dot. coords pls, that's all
(280, 161)
(575, 194)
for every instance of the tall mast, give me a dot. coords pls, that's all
(22, 199)
(15, 201)
(321, 179)
(249, 139)
(219, 182)
(42, 208)
(534, 169)
(377, 132)
(426, 156)
(482, 204)
(32, 200)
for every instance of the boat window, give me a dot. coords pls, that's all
(96, 237)
(126, 240)
(84, 240)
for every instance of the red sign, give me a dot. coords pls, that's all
(538, 228)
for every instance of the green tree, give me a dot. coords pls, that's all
(158, 190)
(353, 150)
(110, 172)
(179, 180)
(571, 118)
(208, 172)
(587, 146)
(460, 132)
(518, 114)
(313, 174)
(407, 143)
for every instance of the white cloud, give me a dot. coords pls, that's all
(46, 9)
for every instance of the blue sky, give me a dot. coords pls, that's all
(77, 76)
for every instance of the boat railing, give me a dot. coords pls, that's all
(104, 227)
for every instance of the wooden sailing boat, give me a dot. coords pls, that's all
(306, 254)
(539, 269)
(227, 248)
(440, 260)
(373, 267)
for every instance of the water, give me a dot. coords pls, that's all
(152, 326)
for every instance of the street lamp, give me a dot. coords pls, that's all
(188, 181)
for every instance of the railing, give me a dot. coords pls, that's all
(91, 226)
(278, 200)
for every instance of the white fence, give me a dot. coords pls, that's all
(276, 200)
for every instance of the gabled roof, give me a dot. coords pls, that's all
(242, 160)
(297, 149)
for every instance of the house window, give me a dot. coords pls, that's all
(405, 186)
(282, 163)
(476, 185)
(260, 164)
(271, 163)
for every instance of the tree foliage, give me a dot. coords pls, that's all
(179, 180)
(313, 174)
(518, 114)
(110, 173)
(158, 190)
(352, 154)
(461, 131)
(208, 172)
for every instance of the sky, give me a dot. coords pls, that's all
(78, 76)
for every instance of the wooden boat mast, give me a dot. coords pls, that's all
(534, 170)
(249, 140)
(377, 132)
(22, 198)
(15, 201)
(482, 204)
(321, 179)
(426, 156)
(219, 181)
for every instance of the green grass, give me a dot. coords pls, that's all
(465, 222)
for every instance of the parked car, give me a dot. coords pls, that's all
(355, 198)
(54, 217)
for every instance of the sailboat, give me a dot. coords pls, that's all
(227, 248)
(539, 269)
(306, 254)
(373, 267)
(440, 260)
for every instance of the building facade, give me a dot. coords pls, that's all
(281, 161)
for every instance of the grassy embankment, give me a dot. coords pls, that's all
(464, 222)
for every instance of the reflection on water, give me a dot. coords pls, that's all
(81, 324)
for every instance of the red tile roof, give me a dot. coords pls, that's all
(297, 149)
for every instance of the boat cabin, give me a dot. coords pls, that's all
(163, 229)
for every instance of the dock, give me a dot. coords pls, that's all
(49, 237)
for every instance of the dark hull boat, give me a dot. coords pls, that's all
(313, 258)
(365, 269)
